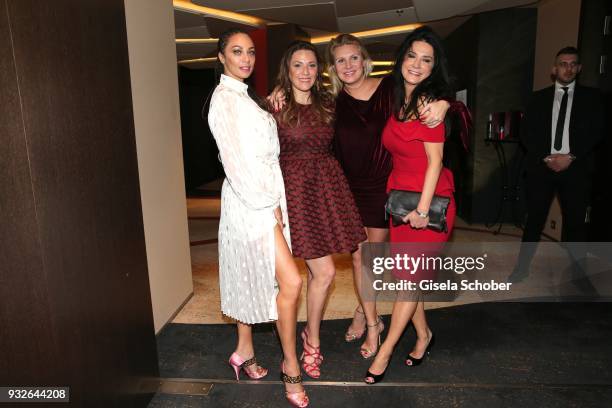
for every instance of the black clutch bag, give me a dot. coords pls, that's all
(401, 202)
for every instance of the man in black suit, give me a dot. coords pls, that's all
(564, 124)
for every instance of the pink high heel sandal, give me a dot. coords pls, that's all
(298, 399)
(239, 363)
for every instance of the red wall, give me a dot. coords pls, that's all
(260, 75)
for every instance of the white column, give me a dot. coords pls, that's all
(153, 71)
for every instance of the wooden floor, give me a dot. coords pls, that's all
(204, 306)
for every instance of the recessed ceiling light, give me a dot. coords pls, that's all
(382, 63)
(377, 32)
(191, 61)
(196, 40)
(189, 7)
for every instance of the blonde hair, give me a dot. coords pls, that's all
(339, 41)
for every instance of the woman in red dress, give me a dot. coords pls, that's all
(323, 217)
(420, 75)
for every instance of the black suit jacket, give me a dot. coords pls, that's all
(585, 127)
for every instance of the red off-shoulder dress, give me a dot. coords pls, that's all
(404, 141)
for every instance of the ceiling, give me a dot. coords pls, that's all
(201, 19)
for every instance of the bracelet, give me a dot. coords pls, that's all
(422, 214)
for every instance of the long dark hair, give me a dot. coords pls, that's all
(435, 86)
(219, 69)
(319, 96)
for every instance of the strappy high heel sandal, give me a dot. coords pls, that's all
(365, 352)
(311, 357)
(350, 336)
(238, 363)
(298, 399)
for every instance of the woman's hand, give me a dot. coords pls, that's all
(415, 220)
(278, 214)
(276, 99)
(433, 113)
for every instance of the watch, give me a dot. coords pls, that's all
(422, 214)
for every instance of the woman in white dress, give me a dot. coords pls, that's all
(258, 277)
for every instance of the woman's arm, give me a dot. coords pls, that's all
(434, 153)
(250, 179)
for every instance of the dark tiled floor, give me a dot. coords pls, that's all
(486, 355)
(270, 396)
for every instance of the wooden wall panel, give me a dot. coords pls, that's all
(491, 55)
(72, 72)
(24, 299)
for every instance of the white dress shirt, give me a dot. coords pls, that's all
(565, 146)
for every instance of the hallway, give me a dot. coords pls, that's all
(204, 306)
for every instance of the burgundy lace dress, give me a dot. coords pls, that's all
(323, 217)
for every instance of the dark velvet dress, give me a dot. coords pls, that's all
(359, 149)
(323, 217)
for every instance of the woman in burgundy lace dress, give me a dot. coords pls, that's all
(323, 217)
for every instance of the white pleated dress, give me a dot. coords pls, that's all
(248, 148)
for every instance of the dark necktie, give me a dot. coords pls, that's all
(561, 120)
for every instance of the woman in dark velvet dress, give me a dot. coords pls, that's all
(323, 217)
(363, 105)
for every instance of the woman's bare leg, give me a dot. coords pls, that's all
(402, 313)
(358, 325)
(422, 331)
(322, 272)
(245, 341)
(245, 346)
(290, 286)
(366, 300)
